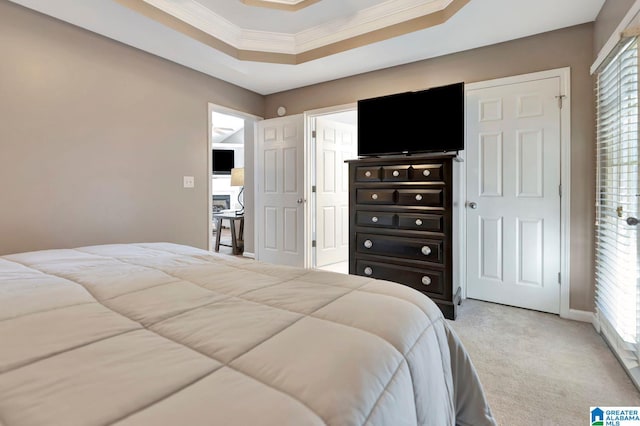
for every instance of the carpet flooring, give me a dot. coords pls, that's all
(538, 369)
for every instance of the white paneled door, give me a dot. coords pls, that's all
(335, 142)
(280, 198)
(513, 194)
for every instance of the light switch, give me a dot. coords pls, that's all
(188, 181)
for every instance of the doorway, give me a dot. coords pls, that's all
(294, 182)
(334, 140)
(230, 148)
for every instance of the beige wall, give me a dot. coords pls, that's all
(608, 19)
(571, 47)
(95, 138)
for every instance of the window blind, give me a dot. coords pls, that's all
(617, 282)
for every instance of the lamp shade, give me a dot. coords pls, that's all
(237, 176)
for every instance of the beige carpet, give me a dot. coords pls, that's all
(538, 369)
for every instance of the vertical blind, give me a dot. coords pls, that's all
(617, 282)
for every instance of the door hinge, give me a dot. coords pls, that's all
(560, 98)
(313, 134)
(313, 188)
(560, 190)
(313, 243)
(559, 280)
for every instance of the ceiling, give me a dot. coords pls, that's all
(270, 46)
(226, 128)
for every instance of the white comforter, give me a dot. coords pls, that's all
(163, 334)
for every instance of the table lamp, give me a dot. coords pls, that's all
(237, 179)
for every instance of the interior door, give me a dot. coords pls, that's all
(280, 197)
(334, 143)
(513, 194)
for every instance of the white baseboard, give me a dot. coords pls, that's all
(596, 324)
(582, 316)
(249, 255)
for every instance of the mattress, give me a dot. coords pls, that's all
(165, 334)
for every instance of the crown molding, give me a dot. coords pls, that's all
(288, 5)
(384, 21)
(262, 41)
(193, 13)
(365, 21)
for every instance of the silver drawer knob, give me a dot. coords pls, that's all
(426, 172)
(374, 196)
(425, 280)
(367, 173)
(426, 250)
(396, 173)
(418, 222)
(368, 271)
(368, 244)
(374, 219)
(419, 197)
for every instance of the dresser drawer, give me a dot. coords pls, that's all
(424, 280)
(365, 218)
(395, 173)
(421, 197)
(368, 174)
(408, 248)
(426, 173)
(375, 196)
(421, 222)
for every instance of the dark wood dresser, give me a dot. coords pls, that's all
(402, 224)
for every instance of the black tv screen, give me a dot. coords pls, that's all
(223, 161)
(430, 120)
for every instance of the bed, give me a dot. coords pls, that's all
(165, 334)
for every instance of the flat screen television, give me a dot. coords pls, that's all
(429, 120)
(222, 161)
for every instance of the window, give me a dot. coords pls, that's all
(617, 197)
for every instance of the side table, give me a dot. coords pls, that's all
(237, 240)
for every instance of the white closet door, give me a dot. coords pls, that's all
(513, 199)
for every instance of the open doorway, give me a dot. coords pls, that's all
(302, 193)
(333, 140)
(231, 135)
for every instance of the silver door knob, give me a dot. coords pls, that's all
(632, 221)
(473, 205)
(396, 173)
(374, 196)
(368, 244)
(368, 270)
(426, 250)
(301, 200)
(374, 219)
(367, 173)
(426, 280)
(426, 172)
(419, 197)
(418, 222)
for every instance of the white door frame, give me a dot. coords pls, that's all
(230, 111)
(309, 167)
(565, 180)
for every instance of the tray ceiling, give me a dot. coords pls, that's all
(266, 47)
